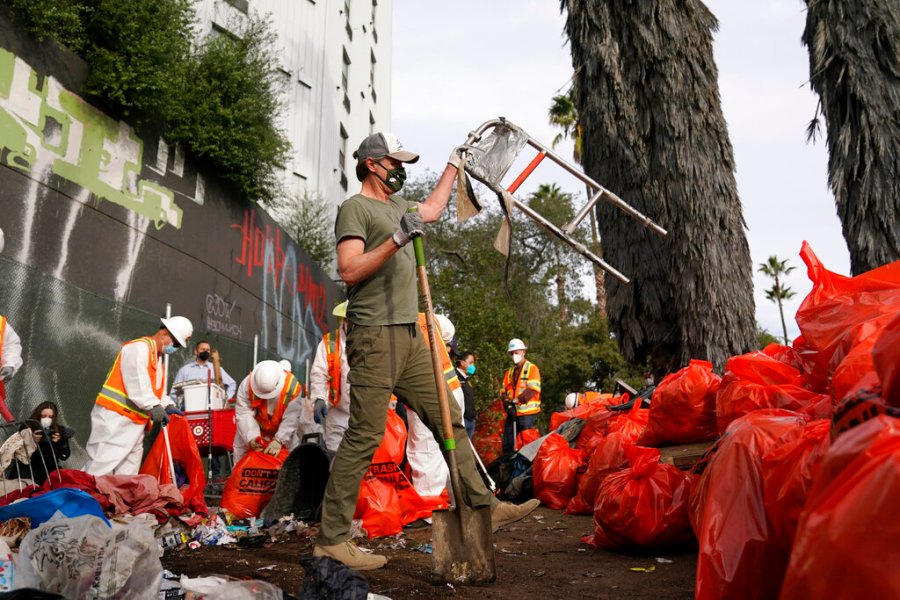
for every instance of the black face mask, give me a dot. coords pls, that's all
(395, 178)
(203, 355)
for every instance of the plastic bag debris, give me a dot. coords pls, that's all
(220, 587)
(83, 558)
(327, 579)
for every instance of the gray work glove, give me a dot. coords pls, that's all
(456, 157)
(320, 409)
(158, 415)
(411, 225)
(6, 373)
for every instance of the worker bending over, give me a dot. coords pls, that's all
(265, 408)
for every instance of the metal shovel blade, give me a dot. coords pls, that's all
(463, 543)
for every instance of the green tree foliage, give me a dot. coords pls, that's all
(219, 98)
(309, 221)
(467, 284)
(765, 338)
(778, 293)
(231, 99)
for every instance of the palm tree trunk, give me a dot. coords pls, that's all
(653, 131)
(783, 325)
(599, 274)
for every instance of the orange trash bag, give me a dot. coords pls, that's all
(886, 356)
(607, 458)
(846, 544)
(788, 471)
(184, 454)
(683, 408)
(526, 436)
(387, 500)
(252, 483)
(631, 424)
(642, 506)
(739, 557)
(555, 472)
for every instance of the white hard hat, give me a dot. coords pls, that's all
(448, 330)
(267, 379)
(180, 328)
(516, 344)
(571, 400)
(1, 240)
(286, 365)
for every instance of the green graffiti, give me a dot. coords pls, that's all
(52, 127)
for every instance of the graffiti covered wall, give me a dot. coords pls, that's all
(105, 225)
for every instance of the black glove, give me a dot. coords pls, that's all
(511, 410)
(320, 410)
(158, 415)
(411, 225)
(6, 373)
(173, 410)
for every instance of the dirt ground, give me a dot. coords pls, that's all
(539, 557)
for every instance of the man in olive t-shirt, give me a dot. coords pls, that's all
(385, 351)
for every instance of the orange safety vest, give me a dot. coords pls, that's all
(530, 378)
(2, 333)
(268, 424)
(333, 357)
(113, 396)
(446, 364)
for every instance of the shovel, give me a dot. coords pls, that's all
(462, 536)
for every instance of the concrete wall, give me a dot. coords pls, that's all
(105, 225)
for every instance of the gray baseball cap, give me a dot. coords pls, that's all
(379, 145)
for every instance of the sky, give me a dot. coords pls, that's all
(455, 69)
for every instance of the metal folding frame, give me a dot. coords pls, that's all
(596, 192)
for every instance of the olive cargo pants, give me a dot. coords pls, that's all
(384, 360)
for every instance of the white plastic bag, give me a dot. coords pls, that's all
(218, 587)
(82, 557)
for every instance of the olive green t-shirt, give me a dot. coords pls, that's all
(389, 296)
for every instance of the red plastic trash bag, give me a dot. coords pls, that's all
(252, 483)
(786, 354)
(683, 407)
(387, 500)
(643, 506)
(886, 356)
(631, 424)
(847, 538)
(596, 427)
(595, 402)
(526, 437)
(555, 472)
(607, 458)
(488, 437)
(837, 303)
(738, 555)
(756, 381)
(185, 454)
(788, 471)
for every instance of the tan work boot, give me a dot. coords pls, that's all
(351, 556)
(506, 512)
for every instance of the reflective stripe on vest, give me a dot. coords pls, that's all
(112, 395)
(333, 360)
(2, 333)
(530, 378)
(446, 364)
(268, 425)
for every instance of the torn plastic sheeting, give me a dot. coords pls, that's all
(68, 502)
(491, 158)
(223, 587)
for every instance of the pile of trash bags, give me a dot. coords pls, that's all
(799, 487)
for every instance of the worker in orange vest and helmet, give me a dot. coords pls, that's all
(265, 409)
(329, 389)
(521, 394)
(131, 396)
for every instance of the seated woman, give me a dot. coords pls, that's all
(52, 440)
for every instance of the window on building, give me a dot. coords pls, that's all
(372, 62)
(298, 185)
(241, 5)
(374, 12)
(345, 79)
(342, 156)
(371, 123)
(347, 19)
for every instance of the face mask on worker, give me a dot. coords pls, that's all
(470, 370)
(517, 358)
(170, 349)
(46, 422)
(395, 178)
(203, 355)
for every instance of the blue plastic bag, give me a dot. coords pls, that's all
(70, 502)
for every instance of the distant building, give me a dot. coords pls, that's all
(336, 60)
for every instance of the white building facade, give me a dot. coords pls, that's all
(336, 60)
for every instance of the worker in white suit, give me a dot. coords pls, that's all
(131, 396)
(329, 389)
(266, 410)
(10, 344)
